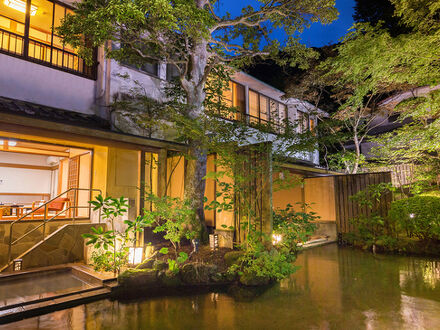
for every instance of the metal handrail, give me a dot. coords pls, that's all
(44, 220)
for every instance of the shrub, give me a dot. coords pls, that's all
(294, 227)
(418, 216)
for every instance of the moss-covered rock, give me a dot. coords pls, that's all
(231, 258)
(169, 279)
(198, 273)
(160, 265)
(251, 279)
(146, 264)
(138, 278)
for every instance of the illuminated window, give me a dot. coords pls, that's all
(34, 38)
(254, 108)
(234, 96)
(11, 28)
(303, 122)
(264, 110)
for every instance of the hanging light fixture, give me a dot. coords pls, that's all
(20, 6)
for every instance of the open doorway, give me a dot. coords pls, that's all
(32, 173)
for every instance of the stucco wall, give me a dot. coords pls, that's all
(27, 81)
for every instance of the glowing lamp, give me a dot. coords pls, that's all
(276, 239)
(17, 265)
(20, 6)
(213, 241)
(12, 143)
(135, 255)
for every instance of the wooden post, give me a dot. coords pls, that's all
(162, 173)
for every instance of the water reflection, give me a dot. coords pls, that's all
(334, 289)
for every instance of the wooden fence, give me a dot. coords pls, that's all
(348, 185)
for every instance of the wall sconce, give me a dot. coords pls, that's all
(213, 241)
(135, 255)
(17, 265)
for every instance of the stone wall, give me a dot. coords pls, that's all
(65, 245)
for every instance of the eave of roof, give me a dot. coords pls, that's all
(27, 114)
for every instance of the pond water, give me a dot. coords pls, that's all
(335, 288)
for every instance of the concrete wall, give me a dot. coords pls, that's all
(27, 81)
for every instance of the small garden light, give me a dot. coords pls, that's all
(276, 239)
(213, 241)
(17, 265)
(195, 243)
(135, 255)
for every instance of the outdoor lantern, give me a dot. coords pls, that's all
(135, 255)
(195, 243)
(213, 241)
(17, 265)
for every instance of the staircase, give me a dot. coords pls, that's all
(65, 245)
(41, 242)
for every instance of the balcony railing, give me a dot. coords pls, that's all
(257, 122)
(253, 121)
(45, 54)
(11, 42)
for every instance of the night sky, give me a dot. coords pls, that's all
(318, 35)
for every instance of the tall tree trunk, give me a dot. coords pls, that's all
(358, 154)
(195, 184)
(197, 156)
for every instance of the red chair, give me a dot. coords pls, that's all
(56, 206)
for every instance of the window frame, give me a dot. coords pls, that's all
(89, 72)
(279, 127)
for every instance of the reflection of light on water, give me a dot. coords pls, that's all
(419, 313)
(195, 305)
(426, 271)
(370, 319)
(214, 297)
(431, 274)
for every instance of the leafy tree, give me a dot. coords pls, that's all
(351, 77)
(192, 37)
(412, 60)
(378, 11)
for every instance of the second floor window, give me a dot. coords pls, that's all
(172, 72)
(234, 96)
(27, 29)
(305, 123)
(264, 110)
(151, 67)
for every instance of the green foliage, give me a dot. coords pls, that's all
(197, 41)
(418, 216)
(260, 261)
(372, 194)
(371, 227)
(173, 265)
(293, 227)
(111, 247)
(165, 30)
(171, 216)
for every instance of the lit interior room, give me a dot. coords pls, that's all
(33, 173)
